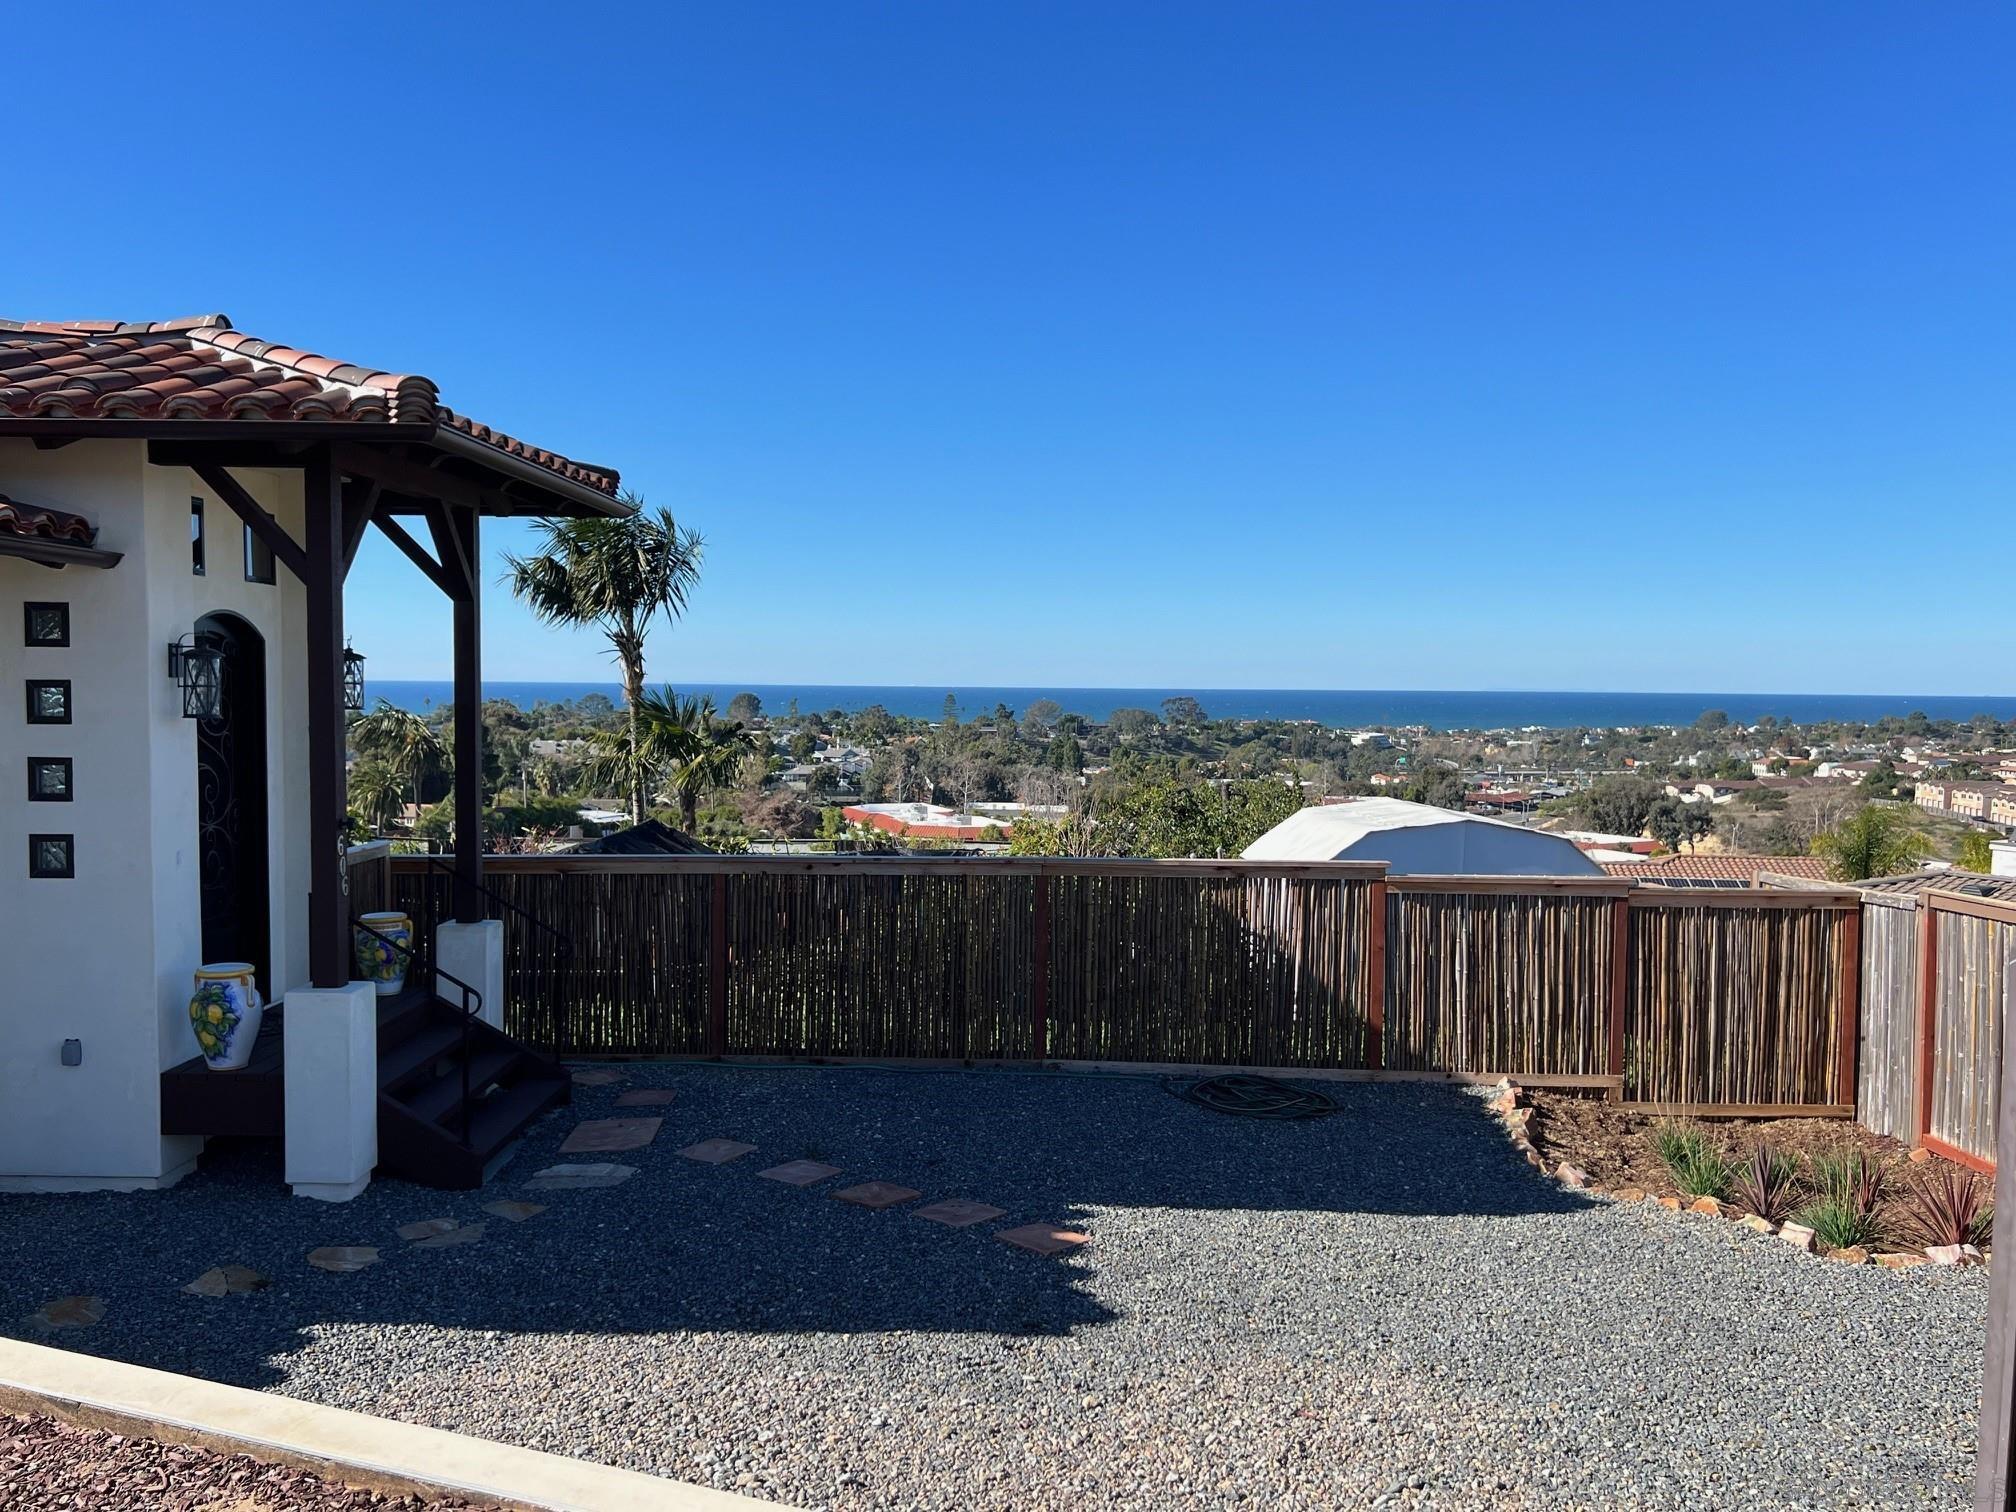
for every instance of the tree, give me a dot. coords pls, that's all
(1184, 710)
(1439, 786)
(1619, 805)
(684, 750)
(1975, 853)
(1712, 719)
(402, 741)
(1871, 842)
(1697, 823)
(803, 745)
(618, 575)
(376, 795)
(949, 714)
(1667, 823)
(1040, 716)
(1127, 724)
(1066, 754)
(745, 708)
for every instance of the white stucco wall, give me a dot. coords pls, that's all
(105, 957)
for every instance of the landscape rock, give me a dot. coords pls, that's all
(1629, 1194)
(564, 1178)
(466, 1233)
(1798, 1235)
(67, 1312)
(1853, 1255)
(341, 1259)
(1953, 1254)
(516, 1212)
(1901, 1261)
(226, 1281)
(1919, 1156)
(1758, 1225)
(427, 1228)
(1571, 1176)
(1671, 1204)
(1707, 1206)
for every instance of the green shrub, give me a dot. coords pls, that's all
(1699, 1169)
(1837, 1224)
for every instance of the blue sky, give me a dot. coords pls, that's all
(1408, 345)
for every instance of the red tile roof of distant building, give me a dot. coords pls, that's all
(1719, 867)
(200, 368)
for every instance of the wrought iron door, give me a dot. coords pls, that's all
(231, 801)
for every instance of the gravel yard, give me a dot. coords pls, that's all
(1385, 1307)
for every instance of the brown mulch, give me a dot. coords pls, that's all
(46, 1463)
(1613, 1144)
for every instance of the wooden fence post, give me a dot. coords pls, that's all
(1039, 992)
(1928, 1008)
(1620, 987)
(717, 966)
(1375, 978)
(1851, 1007)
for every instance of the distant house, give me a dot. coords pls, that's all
(651, 838)
(1717, 869)
(1418, 838)
(927, 821)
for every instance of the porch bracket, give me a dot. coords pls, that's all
(227, 488)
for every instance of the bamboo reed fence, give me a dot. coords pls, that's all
(1723, 1001)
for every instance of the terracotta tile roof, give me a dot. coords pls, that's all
(1972, 884)
(17, 519)
(1718, 867)
(199, 368)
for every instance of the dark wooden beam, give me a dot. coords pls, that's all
(360, 500)
(448, 546)
(415, 552)
(53, 443)
(403, 475)
(462, 528)
(328, 898)
(262, 524)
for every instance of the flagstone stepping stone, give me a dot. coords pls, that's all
(877, 1195)
(608, 1136)
(343, 1258)
(717, 1151)
(426, 1228)
(227, 1281)
(955, 1212)
(799, 1173)
(466, 1233)
(565, 1178)
(67, 1312)
(517, 1212)
(598, 1076)
(646, 1097)
(1043, 1238)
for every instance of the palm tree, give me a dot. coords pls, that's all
(1871, 842)
(403, 741)
(679, 745)
(617, 575)
(376, 795)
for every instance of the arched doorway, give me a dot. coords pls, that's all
(231, 802)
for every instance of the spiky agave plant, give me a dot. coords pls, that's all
(1850, 1186)
(1767, 1185)
(1948, 1207)
(1699, 1169)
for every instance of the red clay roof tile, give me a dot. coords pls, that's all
(199, 368)
(50, 524)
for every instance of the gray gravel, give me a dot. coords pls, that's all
(1384, 1308)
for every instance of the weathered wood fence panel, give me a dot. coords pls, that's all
(1885, 1094)
(1737, 1000)
(1498, 981)
(368, 872)
(1216, 970)
(1976, 956)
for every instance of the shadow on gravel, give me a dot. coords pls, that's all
(683, 1247)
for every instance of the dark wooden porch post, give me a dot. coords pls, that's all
(328, 903)
(468, 599)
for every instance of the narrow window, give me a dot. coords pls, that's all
(258, 558)
(50, 779)
(196, 536)
(52, 856)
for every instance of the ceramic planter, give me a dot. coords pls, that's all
(224, 1012)
(377, 962)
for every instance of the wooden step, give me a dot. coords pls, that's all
(502, 1118)
(437, 1099)
(407, 1059)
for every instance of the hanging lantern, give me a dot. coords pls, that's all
(353, 681)
(197, 667)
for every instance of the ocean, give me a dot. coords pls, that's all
(1349, 708)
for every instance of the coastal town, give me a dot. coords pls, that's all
(1712, 800)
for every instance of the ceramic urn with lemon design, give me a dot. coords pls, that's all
(224, 1012)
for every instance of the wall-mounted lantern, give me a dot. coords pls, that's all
(353, 681)
(199, 670)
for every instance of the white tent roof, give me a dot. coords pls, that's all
(1418, 838)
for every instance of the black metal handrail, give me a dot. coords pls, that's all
(564, 943)
(472, 1000)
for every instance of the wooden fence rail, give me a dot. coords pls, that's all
(1669, 998)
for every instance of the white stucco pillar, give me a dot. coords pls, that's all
(475, 953)
(331, 1047)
